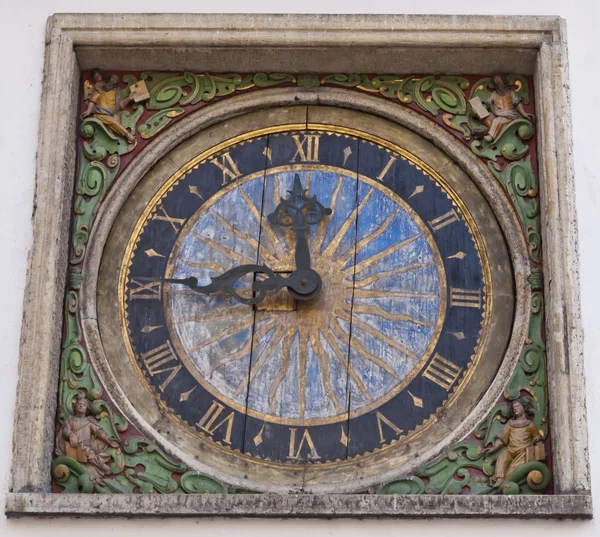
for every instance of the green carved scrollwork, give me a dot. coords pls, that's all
(102, 142)
(509, 144)
(167, 91)
(76, 375)
(153, 125)
(72, 476)
(157, 475)
(129, 120)
(430, 93)
(308, 81)
(93, 181)
(197, 483)
(518, 178)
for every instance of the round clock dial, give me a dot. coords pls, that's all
(304, 306)
(390, 338)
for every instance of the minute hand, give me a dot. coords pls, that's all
(299, 212)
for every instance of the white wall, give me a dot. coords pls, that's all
(21, 54)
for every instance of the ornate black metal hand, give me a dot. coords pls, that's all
(299, 212)
(225, 283)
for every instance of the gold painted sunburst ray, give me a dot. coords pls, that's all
(222, 334)
(350, 221)
(302, 354)
(324, 224)
(329, 337)
(375, 333)
(245, 348)
(268, 231)
(211, 266)
(340, 332)
(370, 293)
(375, 258)
(262, 358)
(234, 311)
(384, 314)
(319, 351)
(359, 284)
(286, 348)
(251, 241)
(350, 252)
(225, 251)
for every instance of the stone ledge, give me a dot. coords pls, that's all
(298, 506)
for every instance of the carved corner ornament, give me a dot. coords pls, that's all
(97, 450)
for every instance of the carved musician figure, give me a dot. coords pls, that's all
(520, 442)
(103, 101)
(81, 438)
(504, 107)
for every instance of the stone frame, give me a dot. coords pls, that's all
(530, 45)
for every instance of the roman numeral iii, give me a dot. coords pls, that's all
(442, 371)
(466, 298)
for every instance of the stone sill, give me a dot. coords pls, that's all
(298, 506)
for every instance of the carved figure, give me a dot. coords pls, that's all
(520, 442)
(103, 101)
(503, 107)
(81, 438)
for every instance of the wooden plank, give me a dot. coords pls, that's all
(299, 369)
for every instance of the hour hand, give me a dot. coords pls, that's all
(226, 283)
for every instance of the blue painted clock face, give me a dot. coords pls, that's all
(391, 338)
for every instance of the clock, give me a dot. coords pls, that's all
(306, 302)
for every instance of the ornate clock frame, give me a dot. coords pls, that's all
(278, 44)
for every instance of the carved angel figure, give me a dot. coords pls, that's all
(504, 107)
(519, 436)
(103, 101)
(81, 438)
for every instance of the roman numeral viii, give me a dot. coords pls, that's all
(162, 359)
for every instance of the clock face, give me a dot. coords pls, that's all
(373, 360)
